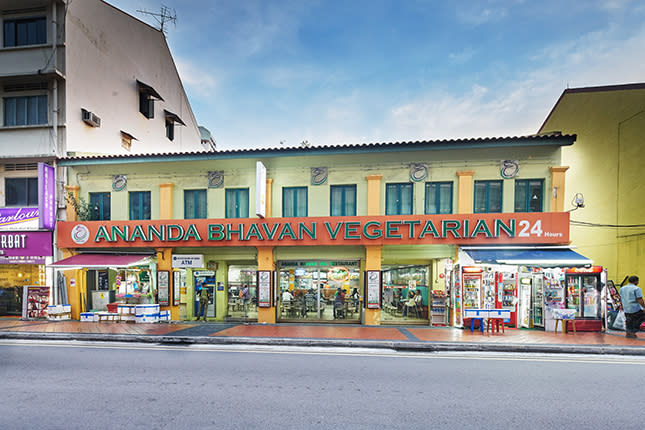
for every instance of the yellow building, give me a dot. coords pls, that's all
(606, 168)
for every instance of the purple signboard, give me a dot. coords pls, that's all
(46, 196)
(26, 244)
(18, 218)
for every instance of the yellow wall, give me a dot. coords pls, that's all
(606, 165)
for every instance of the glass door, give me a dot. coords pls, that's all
(573, 294)
(590, 292)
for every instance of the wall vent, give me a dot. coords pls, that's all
(19, 167)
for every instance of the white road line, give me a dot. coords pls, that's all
(356, 352)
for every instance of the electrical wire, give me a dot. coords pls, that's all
(591, 224)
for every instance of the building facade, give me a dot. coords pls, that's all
(605, 166)
(76, 77)
(329, 234)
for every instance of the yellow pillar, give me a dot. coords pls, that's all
(373, 252)
(69, 210)
(374, 194)
(557, 192)
(165, 200)
(265, 262)
(164, 262)
(465, 192)
(268, 205)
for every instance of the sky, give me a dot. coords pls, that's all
(272, 73)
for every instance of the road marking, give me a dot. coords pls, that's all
(336, 351)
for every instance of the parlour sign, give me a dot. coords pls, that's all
(511, 228)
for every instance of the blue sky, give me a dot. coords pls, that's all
(258, 72)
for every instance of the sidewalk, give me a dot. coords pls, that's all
(410, 338)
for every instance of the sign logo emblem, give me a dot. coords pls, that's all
(80, 234)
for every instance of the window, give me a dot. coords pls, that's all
(27, 31)
(488, 196)
(438, 198)
(237, 203)
(140, 205)
(170, 129)
(25, 110)
(126, 140)
(528, 195)
(398, 199)
(343, 200)
(195, 204)
(21, 191)
(294, 201)
(147, 97)
(100, 206)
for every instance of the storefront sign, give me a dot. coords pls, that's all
(22, 260)
(188, 261)
(18, 218)
(176, 290)
(373, 287)
(264, 288)
(26, 244)
(490, 229)
(46, 196)
(260, 189)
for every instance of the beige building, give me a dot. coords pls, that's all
(605, 168)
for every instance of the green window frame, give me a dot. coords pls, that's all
(438, 198)
(488, 196)
(195, 204)
(100, 206)
(342, 200)
(139, 205)
(529, 195)
(399, 199)
(294, 202)
(237, 203)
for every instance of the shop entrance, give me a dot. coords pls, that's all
(406, 294)
(13, 277)
(205, 279)
(319, 291)
(242, 292)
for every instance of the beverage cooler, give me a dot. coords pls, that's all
(583, 293)
(507, 294)
(554, 295)
(531, 300)
(472, 288)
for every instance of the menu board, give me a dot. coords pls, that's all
(35, 302)
(264, 288)
(163, 287)
(373, 286)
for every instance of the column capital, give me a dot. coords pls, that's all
(374, 177)
(465, 173)
(558, 169)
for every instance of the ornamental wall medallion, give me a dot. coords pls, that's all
(119, 182)
(418, 172)
(318, 175)
(509, 169)
(216, 179)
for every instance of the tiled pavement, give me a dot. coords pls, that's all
(419, 335)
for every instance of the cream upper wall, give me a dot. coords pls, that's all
(606, 167)
(290, 171)
(107, 51)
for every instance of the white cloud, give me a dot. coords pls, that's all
(197, 78)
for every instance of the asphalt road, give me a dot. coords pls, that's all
(73, 385)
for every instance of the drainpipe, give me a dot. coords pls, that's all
(55, 83)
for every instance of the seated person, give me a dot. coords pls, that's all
(409, 303)
(287, 297)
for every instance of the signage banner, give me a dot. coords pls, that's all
(46, 196)
(264, 288)
(260, 189)
(19, 218)
(26, 244)
(458, 229)
(180, 261)
(373, 293)
(35, 301)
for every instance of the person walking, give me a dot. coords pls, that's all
(203, 302)
(631, 297)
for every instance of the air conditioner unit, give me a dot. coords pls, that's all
(90, 119)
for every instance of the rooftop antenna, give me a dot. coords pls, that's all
(167, 15)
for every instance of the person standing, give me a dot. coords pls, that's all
(203, 302)
(631, 297)
(246, 296)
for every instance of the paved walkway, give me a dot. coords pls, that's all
(398, 337)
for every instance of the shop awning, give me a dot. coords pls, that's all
(544, 257)
(101, 261)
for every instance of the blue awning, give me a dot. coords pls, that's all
(544, 257)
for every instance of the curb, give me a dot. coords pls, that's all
(403, 346)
